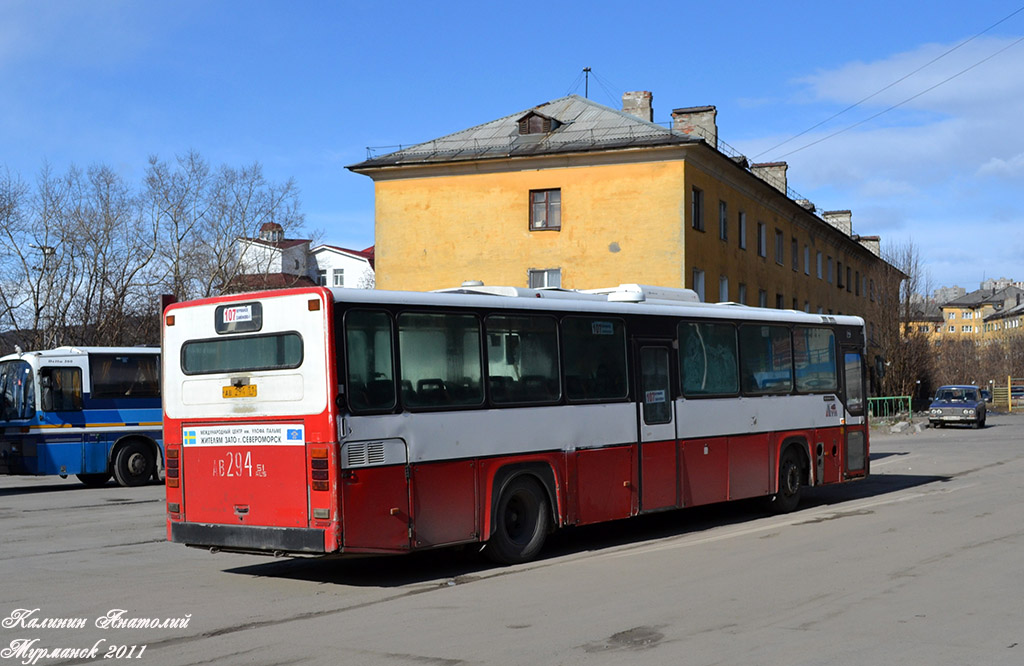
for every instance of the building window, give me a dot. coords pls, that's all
(819, 265)
(697, 209)
(807, 306)
(742, 230)
(723, 221)
(828, 262)
(545, 277)
(807, 260)
(794, 249)
(337, 277)
(780, 252)
(321, 277)
(762, 240)
(967, 329)
(839, 274)
(698, 283)
(723, 289)
(952, 315)
(952, 329)
(762, 298)
(741, 296)
(778, 302)
(856, 284)
(546, 209)
(849, 275)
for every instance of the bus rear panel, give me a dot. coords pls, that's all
(251, 441)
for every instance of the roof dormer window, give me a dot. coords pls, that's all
(536, 123)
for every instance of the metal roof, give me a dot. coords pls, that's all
(583, 125)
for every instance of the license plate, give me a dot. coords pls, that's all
(247, 391)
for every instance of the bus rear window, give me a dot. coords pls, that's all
(279, 351)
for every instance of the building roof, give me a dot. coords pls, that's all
(282, 244)
(581, 125)
(979, 297)
(1008, 313)
(366, 254)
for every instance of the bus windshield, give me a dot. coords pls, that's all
(17, 392)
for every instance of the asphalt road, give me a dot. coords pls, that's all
(920, 564)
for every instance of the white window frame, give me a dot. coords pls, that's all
(539, 278)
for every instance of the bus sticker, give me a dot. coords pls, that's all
(245, 435)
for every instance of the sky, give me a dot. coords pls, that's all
(932, 152)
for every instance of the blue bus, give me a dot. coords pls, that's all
(94, 412)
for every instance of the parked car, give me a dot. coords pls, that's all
(986, 395)
(957, 404)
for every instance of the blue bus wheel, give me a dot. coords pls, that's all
(134, 464)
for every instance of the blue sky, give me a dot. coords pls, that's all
(305, 87)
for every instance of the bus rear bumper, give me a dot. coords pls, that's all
(250, 539)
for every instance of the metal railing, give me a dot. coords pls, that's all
(889, 407)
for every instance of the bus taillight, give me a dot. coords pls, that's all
(319, 469)
(173, 468)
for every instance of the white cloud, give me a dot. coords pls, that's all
(1004, 168)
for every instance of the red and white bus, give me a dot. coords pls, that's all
(359, 421)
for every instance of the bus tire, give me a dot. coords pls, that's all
(94, 480)
(521, 522)
(791, 475)
(134, 464)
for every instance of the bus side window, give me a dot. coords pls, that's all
(370, 367)
(594, 350)
(766, 359)
(440, 358)
(522, 359)
(61, 389)
(814, 352)
(707, 359)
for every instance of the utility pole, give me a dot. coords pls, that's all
(586, 82)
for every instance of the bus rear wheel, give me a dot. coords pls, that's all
(521, 522)
(134, 464)
(94, 480)
(791, 477)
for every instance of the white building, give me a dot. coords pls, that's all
(272, 261)
(334, 266)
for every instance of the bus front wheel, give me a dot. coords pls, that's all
(134, 464)
(520, 522)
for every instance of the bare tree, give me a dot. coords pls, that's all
(88, 255)
(903, 352)
(202, 214)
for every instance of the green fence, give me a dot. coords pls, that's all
(889, 407)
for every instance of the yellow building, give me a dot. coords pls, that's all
(578, 195)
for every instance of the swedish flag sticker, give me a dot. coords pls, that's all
(188, 438)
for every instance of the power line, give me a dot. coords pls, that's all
(881, 90)
(909, 99)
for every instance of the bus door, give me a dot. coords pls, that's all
(855, 461)
(659, 462)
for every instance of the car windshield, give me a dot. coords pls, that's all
(957, 395)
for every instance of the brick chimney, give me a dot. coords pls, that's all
(639, 103)
(873, 244)
(840, 219)
(698, 121)
(773, 173)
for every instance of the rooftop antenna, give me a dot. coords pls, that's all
(586, 82)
